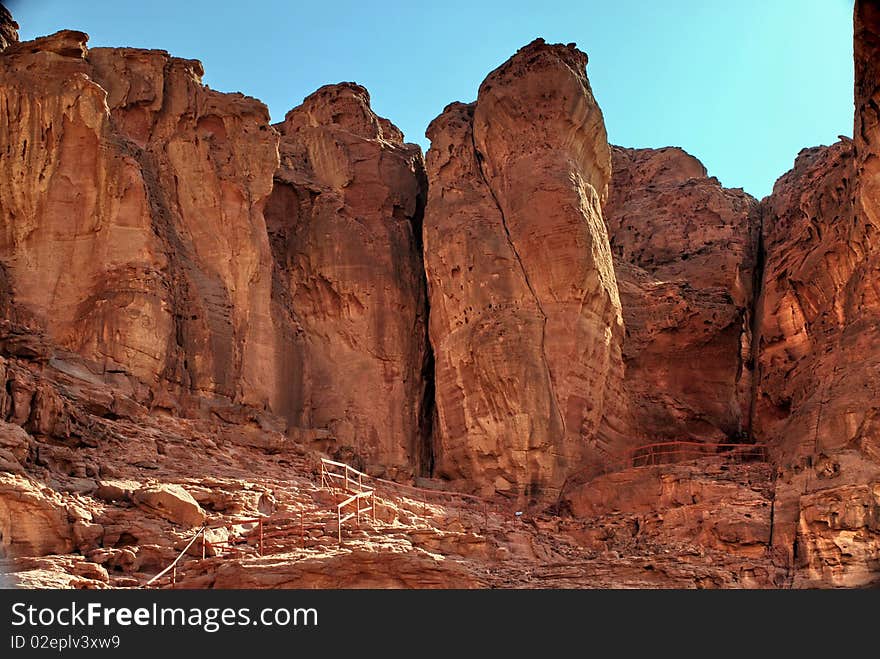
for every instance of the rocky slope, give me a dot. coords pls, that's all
(196, 306)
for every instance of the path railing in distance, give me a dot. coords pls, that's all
(347, 479)
(680, 451)
(333, 472)
(672, 452)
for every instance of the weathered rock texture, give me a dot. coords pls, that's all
(345, 219)
(170, 285)
(813, 247)
(8, 28)
(133, 233)
(525, 317)
(818, 352)
(132, 227)
(683, 249)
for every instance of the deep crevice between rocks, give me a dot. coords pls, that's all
(756, 304)
(424, 449)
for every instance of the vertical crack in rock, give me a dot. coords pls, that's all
(756, 318)
(424, 449)
(553, 388)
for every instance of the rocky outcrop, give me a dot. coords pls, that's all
(709, 504)
(818, 350)
(171, 502)
(813, 401)
(31, 524)
(8, 29)
(525, 317)
(813, 247)
(132, 187)
(684, 254)
(344, 220)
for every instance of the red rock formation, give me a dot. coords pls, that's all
(525, 318)
(814, 401)
(132, 225)
(8, 28)
(818, 353)
(344, 220)
(154, 257)
(813, 246)
(683, 250)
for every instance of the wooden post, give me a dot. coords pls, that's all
(346, 478)
(360, 482)
(323, 476)
(357, 514)
(203, 544)
(373, 505)
(339, 526)
(174, 575)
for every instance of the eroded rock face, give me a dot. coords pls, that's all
(684, 253)
(818, 353)
(525, 317)
(715, 506)
(344, 220)
(132, 227)
(33, 519)
(813, 248)
(8, 28)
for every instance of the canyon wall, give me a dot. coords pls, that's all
(345, 221)
(684, 257)
(525, 319)
(132, 186)
(818, 347)
(525, 305)
(8, 28)
(133, 233)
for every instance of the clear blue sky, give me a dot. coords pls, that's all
(742, 85)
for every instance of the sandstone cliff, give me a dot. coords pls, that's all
(8, 28)
(525, 318)
(344, 220)
(132, 186)
(133, 232)
(818, 348)
(195, 306)
(684, 254)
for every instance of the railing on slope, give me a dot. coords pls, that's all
(658, 453)
(355, 500)
(352, 480)
(347, 479)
